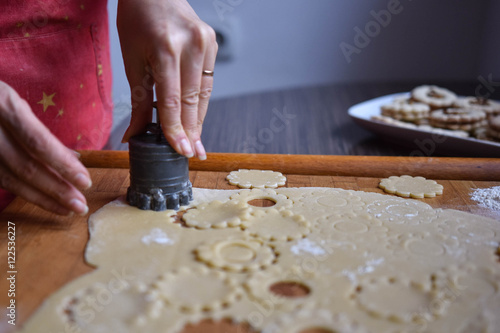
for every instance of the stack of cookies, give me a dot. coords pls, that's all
(441, 108)
(493, 130)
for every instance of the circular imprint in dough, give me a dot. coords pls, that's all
(236, 255)
(276, 225)
(313, 320)
(477, 231)
(424, 247)
(262, 287)
(256, 178)
(217, 214)
(393, 299)
(408, 186)
(336, 200)
(120, 301)
(402, 211)
(196, 290)
(245, 196)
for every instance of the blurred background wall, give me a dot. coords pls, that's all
(276, 44)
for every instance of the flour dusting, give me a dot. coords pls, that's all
(156, 235)
(487, 197)
(307, 246)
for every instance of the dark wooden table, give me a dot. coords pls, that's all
(311, 120)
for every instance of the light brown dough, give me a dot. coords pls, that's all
(408, 186)
(372, 263)
(217, 214)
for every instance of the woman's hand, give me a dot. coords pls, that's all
(164, 43)
(34, 164)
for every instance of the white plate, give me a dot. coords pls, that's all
(423, 142)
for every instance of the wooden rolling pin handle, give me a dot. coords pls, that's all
(445, 168)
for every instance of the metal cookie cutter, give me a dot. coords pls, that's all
(159, 176)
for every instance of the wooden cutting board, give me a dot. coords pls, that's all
(49, 248)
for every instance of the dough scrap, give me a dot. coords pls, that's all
(217, 214)
(236, 255)
(276, 225)
(244, 178)
(408, 186)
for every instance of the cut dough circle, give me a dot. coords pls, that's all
(256, 178)
(408, 186)
(395, 299)
(236, 255)
(277, 225)
(209, 290)
(217, 214)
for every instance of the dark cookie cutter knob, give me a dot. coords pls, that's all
(159, 176)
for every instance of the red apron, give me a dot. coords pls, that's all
(55, 54)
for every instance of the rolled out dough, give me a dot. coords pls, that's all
(369, 263)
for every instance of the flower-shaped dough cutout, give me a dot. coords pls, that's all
(276, 225)
(217, 214)
(125, 303)
(195, 290)
(281, 201)
(256, 178)
(408, 186)
(236, 255)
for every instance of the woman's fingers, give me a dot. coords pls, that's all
(32, 136)
(169, 37)
(170, 105)
(29, 174)
(34, 164)
(141, 87)
(207, 82)
(17, 186)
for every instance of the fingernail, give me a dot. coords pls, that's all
(186, 148)
(78, 155)
(200, 150)
(83, 181)
(79, 207)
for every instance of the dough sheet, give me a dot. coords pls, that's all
(365, 262)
